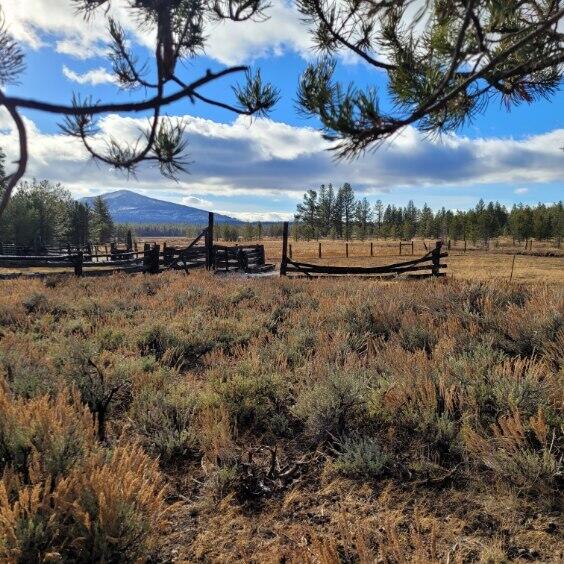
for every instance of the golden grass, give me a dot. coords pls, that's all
(290, 420)
(474, 264)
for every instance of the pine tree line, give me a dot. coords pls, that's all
(337, 214)
(43, 214)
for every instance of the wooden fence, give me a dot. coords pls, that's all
(430, 262)
(200, 253)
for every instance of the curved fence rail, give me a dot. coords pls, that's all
(430, 262)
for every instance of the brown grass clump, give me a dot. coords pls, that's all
(62, 497)
(335, 420)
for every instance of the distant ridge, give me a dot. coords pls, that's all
(129, 207)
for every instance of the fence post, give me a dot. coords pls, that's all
(151, 259)
(319, 251)
(129, 240)
(78, 260)
(464, 245)
(412, 247)
(262, 258)
(347, 250)
(371, 249)
(290, 250)
(400, 248)
(284, 261)
(2, 248)
(146, 257)
(209, 243)
(435, 269)
(155, 259)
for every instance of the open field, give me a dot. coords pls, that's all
(545, 263)
(273, 420)
(474, 264)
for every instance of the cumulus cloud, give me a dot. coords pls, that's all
(258, 216)
(31, 21)
(278, 161)
(521, 190)
(94, 77)
(196, 202)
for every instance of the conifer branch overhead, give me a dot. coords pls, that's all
(445, 63)
(179, 29)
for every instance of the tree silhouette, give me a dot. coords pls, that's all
(179, 29)
(445, 62)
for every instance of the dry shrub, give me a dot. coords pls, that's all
(333, 404)
(522, 453)
(64, 497)
(43, 436)
(165, 418)
(110, 508)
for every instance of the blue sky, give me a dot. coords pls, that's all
(260, 170)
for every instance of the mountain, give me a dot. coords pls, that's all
(129, 207)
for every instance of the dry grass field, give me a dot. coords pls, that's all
(202, 418)
(474, 264)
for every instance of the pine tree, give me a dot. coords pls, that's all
(102, 222)
(348, 203)
(378, 217)
(79, 225)
(307, 213)
(363, 216)
(325, 208)
(426, 222)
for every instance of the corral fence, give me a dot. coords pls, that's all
(87, 260)
(427, 265)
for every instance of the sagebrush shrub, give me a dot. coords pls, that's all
(360, 457)
(333, 404)
(166, 419)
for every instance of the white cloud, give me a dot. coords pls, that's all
(258, 216)
(227, 42)
(520, 191)
(196, 202)
(276, 161)
(30, 21)
(94, 77)
(235, 43)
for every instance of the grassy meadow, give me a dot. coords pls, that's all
(203, 418)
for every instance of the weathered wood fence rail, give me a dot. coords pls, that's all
(431, 262)
(200, 253)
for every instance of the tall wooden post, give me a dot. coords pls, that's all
(347, 250)
(284, 261)
(209, 243)
(155, 259)
(400, 248)
(290, 250)
(435, 269)
(319, 250)
(78, 260)
(412, 248)
(129, 240)
(371, 249)
(146, 257)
